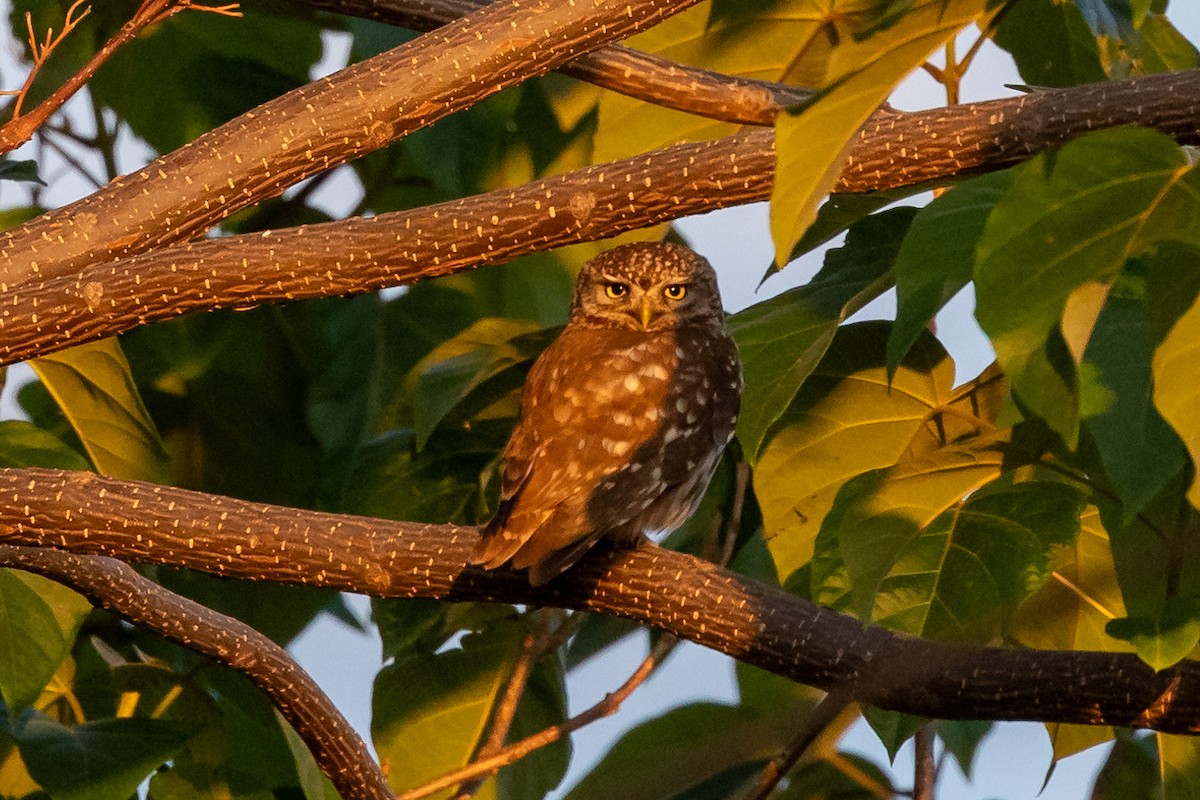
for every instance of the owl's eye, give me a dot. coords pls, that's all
(675, 291)
(616, 290)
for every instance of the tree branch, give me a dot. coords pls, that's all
(357, 255)
(113, 585)
(621, 69)
(687, 597)
(317, 127)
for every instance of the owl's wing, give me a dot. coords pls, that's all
(580, 422)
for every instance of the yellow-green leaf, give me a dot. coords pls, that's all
(812, 145)
(94, 387)
(1177, 386)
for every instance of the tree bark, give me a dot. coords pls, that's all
(684, 595)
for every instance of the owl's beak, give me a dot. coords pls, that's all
(647, 312)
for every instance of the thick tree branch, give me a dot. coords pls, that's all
(615, 67)
(318, 127)
(359, 255)
(114, 585)
(688, 597)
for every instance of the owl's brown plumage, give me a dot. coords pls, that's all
(623, 417)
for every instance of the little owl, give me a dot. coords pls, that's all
(623, 417)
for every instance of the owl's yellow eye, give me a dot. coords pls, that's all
(675, 291)
(616, 290)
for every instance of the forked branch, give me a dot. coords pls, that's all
(20, 128)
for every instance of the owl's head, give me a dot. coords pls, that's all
(647, 286)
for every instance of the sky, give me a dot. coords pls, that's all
(1012, 763)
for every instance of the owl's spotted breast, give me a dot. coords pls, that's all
(623, 417)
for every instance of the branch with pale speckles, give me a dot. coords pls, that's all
(686, 596)
(621, 69)
(359, 255)
(113, 585)
(317, 127)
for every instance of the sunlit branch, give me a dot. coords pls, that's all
(113, 585)
(620, 69)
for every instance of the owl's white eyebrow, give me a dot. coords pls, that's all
(611, 279)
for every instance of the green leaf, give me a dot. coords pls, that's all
(23, 444)
(781, 340)
(837, 214)
(102, 760)
(246, 61)
(1156, 555)
(893, 529)
(1130, 772)
(1179, 765)
(93, 386)
(1129, 188)
(1140, 452)
(846, 420)
(1051, 43)
(937, 257)
(13, 170)
(812, 145)
(893, 728)
(847, 777)
(313, 782)
(32, 642)
(488, 361)
(1176, 369)
(429, 710)
(962, 739)
(684, 748)
(1071, 611)
(1163, 641)
(543, 704)
(441, 483)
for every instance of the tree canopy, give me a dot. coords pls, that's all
(235, 416)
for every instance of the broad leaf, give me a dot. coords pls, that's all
(93, 386)
(429, 710)
(894, 529)
(685, 748)
(1176, 369)
(1141, 454)
(32, 642)
(25, 170)
(937, 257)
(1179, 765)
(781, 340)
(23, 444)
(847, 420)
(1157, 558)
(485, 363)
(812, 144)
(1131, 771)
(1129, 188)
(102, 760)
(1051, 43)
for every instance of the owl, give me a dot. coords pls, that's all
(623, 418)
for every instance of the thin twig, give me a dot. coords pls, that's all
(822, 715)
(536, 644)
(924, 772)
(20, 127)
(515, 752)
(734, 525)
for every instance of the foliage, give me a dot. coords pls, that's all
(1049, 502)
